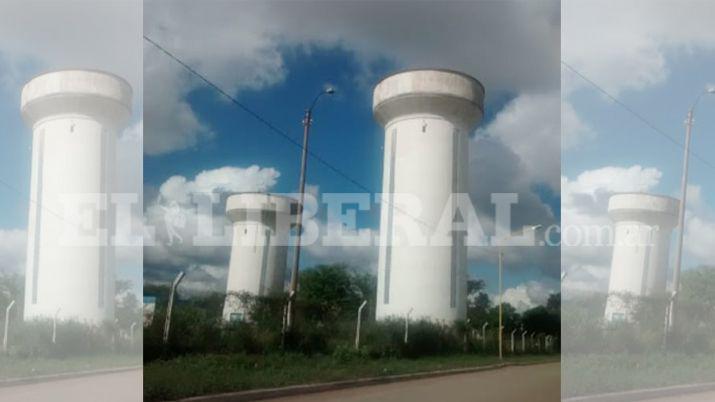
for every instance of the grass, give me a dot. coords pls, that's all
(209, 374)
(15, 367)
(595, 374)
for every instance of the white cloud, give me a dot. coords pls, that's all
(176, 203)
(226, 179)
(610, 179)
(43, 35)
(574, 130)
(698, 240)
(175, 208)
(527, 295)
(40, 36)
(530, 126)
(626, 45)
(12, 251)
(202, 278)
(241, 45)
(171, 123)
(206, 266)
(129, 180)
(623, 45)
(509, 46)
(699, 228)
(584, 204)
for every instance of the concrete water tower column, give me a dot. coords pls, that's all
(75, 116)
(427, 116)
(642, 232)
(261, 227)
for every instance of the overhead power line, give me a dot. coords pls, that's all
(272, 126)
(637, 115)
(256, 115)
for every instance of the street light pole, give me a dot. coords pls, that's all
(307, 121)
(681, 216)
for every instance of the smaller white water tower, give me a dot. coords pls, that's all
(261, 227)
(642, 233)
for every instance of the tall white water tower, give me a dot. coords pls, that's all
(261, 227)
(427, 116)
(75, 116)
(642, 233)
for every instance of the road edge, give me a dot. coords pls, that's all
(641, 394)
(63, 376)
(303, 389)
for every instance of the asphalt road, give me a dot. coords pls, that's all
(704, 396)
(536, 383)
(124, 386)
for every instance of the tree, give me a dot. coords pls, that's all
(127, 309)
(333, 292)
(698, 285)
(12, 287)
(553, 304)
(540, 320)
(510, 318)
(478, 303)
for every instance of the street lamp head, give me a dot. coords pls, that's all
(710, 89)
(329, 90)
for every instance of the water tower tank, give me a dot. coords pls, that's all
(75, 116)
(261, 227)
(427, 116)
(643, 224)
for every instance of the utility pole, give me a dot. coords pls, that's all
(307, 121)
(681, 223)
(673, 305)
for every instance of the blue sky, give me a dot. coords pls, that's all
(656, 63)
(15, 152)
(624, 140)
(284, 63)
(34, 40)
(344, 134)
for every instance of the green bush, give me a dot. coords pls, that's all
(33, 339)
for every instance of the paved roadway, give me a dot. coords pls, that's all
(125, 386)
(704, 396)
(537, 383)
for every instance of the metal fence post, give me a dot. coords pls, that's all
(359, 321)
(7, 324)
(169, 308)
